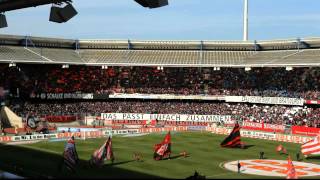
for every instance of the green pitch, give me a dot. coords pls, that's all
(43, 159)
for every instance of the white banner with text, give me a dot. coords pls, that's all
(166, 117)
(266, 100)
(164, 96)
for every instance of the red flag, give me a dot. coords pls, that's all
(311, 147)
(163, 149)
(103, 153)
(234, 138)
(167, 139)
(291, 173)
(109, 155)
(70, 155)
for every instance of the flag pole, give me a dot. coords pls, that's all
(245, 20)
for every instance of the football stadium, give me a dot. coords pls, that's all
(179, 109)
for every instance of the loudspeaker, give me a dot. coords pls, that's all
(54, 15)
(68, 12)
(3, 21)
(152, 3)
(157, 3)
(60, 15)
(143, 3)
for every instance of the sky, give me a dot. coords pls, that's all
(180, 20)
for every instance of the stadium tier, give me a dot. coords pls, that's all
(10, 53)
(164, 58)
(276, 114)
(276, 53)
(37, 78)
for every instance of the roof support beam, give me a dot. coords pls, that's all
(20, 4)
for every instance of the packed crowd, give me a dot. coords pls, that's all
(256, 113)
(299, 82)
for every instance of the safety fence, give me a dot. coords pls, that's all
(107, 132)
(87, 134)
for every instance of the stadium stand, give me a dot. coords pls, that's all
(276, 53)
(256, 113)
(157, 57)
(206, 68)
(307, 55)
(16, 54)
(297, 83)
(57, 55)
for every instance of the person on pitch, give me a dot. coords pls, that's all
(261, 155)
(239, 166)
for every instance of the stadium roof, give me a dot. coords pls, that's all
(272, 53)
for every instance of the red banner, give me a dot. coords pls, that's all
(274, 128)
(312, 101)
(263, 127)
(306, 131)
(153, 122)
(5, 138)
(62, 119)
(152, 130)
